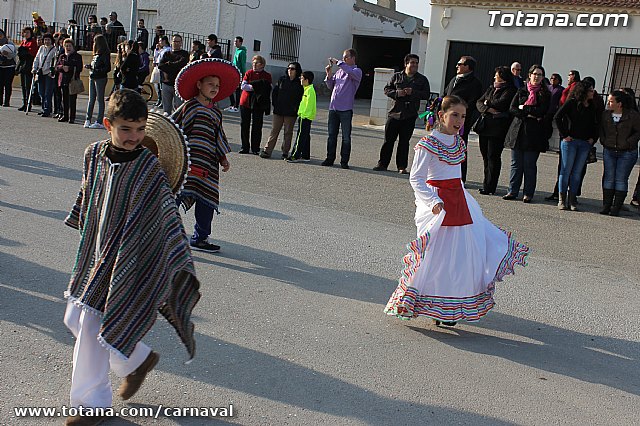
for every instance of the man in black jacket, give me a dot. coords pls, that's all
(407, 88)
(170, 65)
(468, 87)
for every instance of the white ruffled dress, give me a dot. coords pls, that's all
(450, 271)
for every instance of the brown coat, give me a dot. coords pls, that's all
(621, 136)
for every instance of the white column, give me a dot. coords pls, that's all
(380, 103)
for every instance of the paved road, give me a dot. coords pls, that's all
(290, 328)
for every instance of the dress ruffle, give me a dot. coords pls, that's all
(406, 303)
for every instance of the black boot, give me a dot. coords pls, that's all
(607, 200)
(23, 107)
(573, 202)
(618, 200)
(562, 201)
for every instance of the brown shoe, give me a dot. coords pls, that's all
(84, 420)
(133, 381)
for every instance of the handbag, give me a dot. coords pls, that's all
(480, 124)
(75, 85)
(155, 76)
(592, 157)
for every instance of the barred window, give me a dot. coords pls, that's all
(285, 45)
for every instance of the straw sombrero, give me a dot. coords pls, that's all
(165, 139)
(195, 71)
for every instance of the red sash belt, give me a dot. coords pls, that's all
(455, 204)
(198, 171)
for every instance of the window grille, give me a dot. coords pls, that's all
(285, 44)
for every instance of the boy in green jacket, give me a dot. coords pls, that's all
(306, 114)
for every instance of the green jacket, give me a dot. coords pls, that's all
(240, 59)
(307, 108)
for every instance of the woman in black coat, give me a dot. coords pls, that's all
(285, 98)
(130, 66)
(494, 108)
(527, 136)
(69, 67)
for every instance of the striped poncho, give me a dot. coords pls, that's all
(134, 258)
(207, 146)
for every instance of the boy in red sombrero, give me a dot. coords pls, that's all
(201, 84)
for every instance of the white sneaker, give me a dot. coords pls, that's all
(87, 124)
(96, 125)
(229, 109)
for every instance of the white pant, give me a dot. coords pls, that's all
(90, 383)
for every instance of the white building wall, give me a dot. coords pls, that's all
(584, 49)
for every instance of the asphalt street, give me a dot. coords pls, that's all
(290, 328)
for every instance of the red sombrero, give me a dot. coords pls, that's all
(195, 71)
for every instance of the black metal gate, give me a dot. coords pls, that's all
(623, 69)
(489, 56)
(81, 13)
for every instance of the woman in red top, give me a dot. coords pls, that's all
(30, 43)
(255, 103)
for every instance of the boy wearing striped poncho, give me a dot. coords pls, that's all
(133, 262)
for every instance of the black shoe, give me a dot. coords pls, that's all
(40, 113)
(243, 151)
(344, 166)
(255, 152)
(285, 155)
(205, 246)
(379, 168)
(265, 154)
(526, 199)
(22, 108)
(327, 163)
(449, 323)
(485, 192)
(45, 114)
(509, 196)
(62, 119)
(552, 197)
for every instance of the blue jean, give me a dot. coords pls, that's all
(523, 163)
(96, 92)
(45, 88)
(617, 168)
(574, 157)
(204, 215)
(338, 119)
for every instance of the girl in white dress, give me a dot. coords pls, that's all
(459, 255)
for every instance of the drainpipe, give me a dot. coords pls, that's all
(133, 25)
(55, 9)
(218, 18)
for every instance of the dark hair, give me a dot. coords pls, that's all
(126, 104)
(177, 35)
(557, 76)
(100, 45)
(505, 73)
(450, 101)
(308, 75)
(28, 29)
(72, 21)
(213, 37)
(352, 52)
(470, 62)
(141, 20)
(49, 36)
(95, 18)
(535, 67)
(576, 75)
(580, 92)
(3, 33)
(104, 18)
(240, 39)
(409, 56)
(632, 98)
(165, 39)
(298, 68)
(590, 80)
